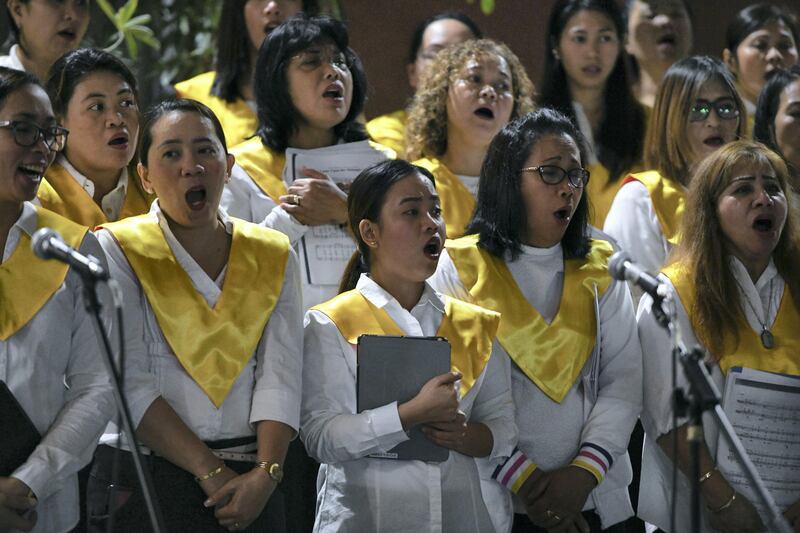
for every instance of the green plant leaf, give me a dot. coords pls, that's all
(127, 11)
(107, 9)
(487, 6)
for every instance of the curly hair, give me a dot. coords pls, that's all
(716, 309)
(426, 129)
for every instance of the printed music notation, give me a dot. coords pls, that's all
(325, 250)
(764, 409)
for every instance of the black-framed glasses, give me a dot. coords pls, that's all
(553, 175)
(27, 134)
(724, 107)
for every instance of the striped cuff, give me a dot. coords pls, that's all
(594, 459)
(515, 471)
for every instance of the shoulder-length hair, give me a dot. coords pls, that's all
(500, 215)
(427, 118)
(233, 48)
(278, 119)
(753, 18)
(365, 200)
(717, 309)
(767, 108)
(667, 147)
(620, 140)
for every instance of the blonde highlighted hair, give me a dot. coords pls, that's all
(717, 310)
(426, 129)
(667, 148)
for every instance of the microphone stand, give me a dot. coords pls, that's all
(94, 307)
(704, 396)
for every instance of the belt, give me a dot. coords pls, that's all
(236, 456)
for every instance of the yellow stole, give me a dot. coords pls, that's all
(469, 329)
(60, 193)
(27, 282)
(263, 165)
(553, 355)
(390, 130)
(784, 358)
(458, 204)
(239, 121)
(669, 199)
(212, 344)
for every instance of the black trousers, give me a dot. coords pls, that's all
(179, 496)
(523, 524)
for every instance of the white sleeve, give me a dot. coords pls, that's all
(494, 405)
(282, 221)
(242, 198)
(632, 222)
(447, 281)
(330, 428)
(70, 441)
(619, 396)
(141, 388)
(279, 356)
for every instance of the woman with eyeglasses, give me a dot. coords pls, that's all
(761, 39)
(470, 92)
(576, 386)
(44, 30)
(586, 79)
(228, 90)
(697, 110)
(738, 296)
(50, 361)
(93, 179)
(430, 37)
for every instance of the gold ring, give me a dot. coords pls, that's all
(298, 199)
(554, 516)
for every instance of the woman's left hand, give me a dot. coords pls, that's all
(315, 200)
(245, 497)
(450, 435)
(566, 493)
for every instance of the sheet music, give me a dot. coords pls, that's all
(764, 409)
(325, 250)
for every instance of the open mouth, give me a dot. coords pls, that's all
(269, 27)
(591, 70)
(67, 34)
(763, 224)
(714, 142)
(485, 113)
(433, 248)
(33, 172)
(564, 214)
(119, 141)
(334, 91)
(668, 39)
(196, 197)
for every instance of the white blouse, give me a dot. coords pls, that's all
(112, 202)
(64, 389)
(357, 493)
(268, 387)
(655, 491)
(12, 59)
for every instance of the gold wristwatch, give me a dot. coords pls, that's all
(273, 470)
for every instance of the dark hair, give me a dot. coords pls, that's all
(233, 48)
(419, 31)
(365, 200)
(71, 68)
(768, 103)
(277, 117)
(753, 18)
(183, 105)
(11, 80)
(12, 26)
(620, 140)
(500, 212)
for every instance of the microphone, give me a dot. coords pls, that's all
(48, 244)
(622, 268)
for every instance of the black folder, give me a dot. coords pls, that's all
(394, 368)
(18, 436)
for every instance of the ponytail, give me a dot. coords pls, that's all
(355, 267)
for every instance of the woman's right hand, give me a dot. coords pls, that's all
(213, 484)
(740, 517)
(435, 402)
(16, 505)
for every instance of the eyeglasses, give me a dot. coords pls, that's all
(553, 175)
(724, 107)
(27, 134)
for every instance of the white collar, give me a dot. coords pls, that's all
(87, 183)
(380, 298)
(743, 277)
(28, 219)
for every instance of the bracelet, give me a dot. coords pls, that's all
(726, 504)
(210, 474)
(707, 475)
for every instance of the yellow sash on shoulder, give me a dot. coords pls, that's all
(239, 121)
(469, 329)
(784, 358)
(390, 131)
(263, 165)
(27, 282)
(668, 197)
(553, 355)
(458, 204)
(212, 344)
(60, 193)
